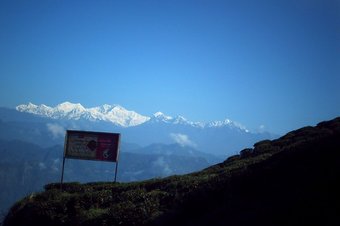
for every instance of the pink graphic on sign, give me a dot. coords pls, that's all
(92, 145)
(106, 148)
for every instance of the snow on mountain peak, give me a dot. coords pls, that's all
(220, 123)
(29, 108)
(68, 107)
(229, 123)
(117, 115)
(32, 105)
(162, 116)
(181, 120)
(158, 114)
(67, 110)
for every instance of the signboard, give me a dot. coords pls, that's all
(92, 145)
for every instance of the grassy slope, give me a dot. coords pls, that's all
(288, 181)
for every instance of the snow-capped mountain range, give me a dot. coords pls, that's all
(115, 114)
(111, 113)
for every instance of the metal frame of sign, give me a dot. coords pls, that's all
(89, 145)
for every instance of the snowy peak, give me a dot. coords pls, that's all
(220, 123)
(118, 115)
(159, 116)
(180, 120)
(35, 109)
(69, 107)
(111, 113)
(229, 123)
(30, 108)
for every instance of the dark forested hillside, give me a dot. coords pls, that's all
(292, 180)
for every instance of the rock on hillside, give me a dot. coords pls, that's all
(292, 180)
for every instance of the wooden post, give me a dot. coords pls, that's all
(62, 171)
(116, 172)
(62, 175)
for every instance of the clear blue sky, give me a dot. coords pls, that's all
(271, 63)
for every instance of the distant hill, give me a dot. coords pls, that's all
(222, 137)
(292, 180)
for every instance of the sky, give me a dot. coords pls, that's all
(269, 65)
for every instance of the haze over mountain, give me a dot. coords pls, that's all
(292, 180)
(217, 137)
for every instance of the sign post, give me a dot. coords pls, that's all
(97, 146)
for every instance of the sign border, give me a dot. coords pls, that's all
(66, 144)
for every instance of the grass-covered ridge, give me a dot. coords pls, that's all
(272, 184)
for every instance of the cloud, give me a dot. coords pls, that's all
(261, 128)
(163, 165)
(42, 165)
(182, 140)
(56, 130)
(56, 164)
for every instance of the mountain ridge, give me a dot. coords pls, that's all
(66, 110)
(221, 138)
(117, 115)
